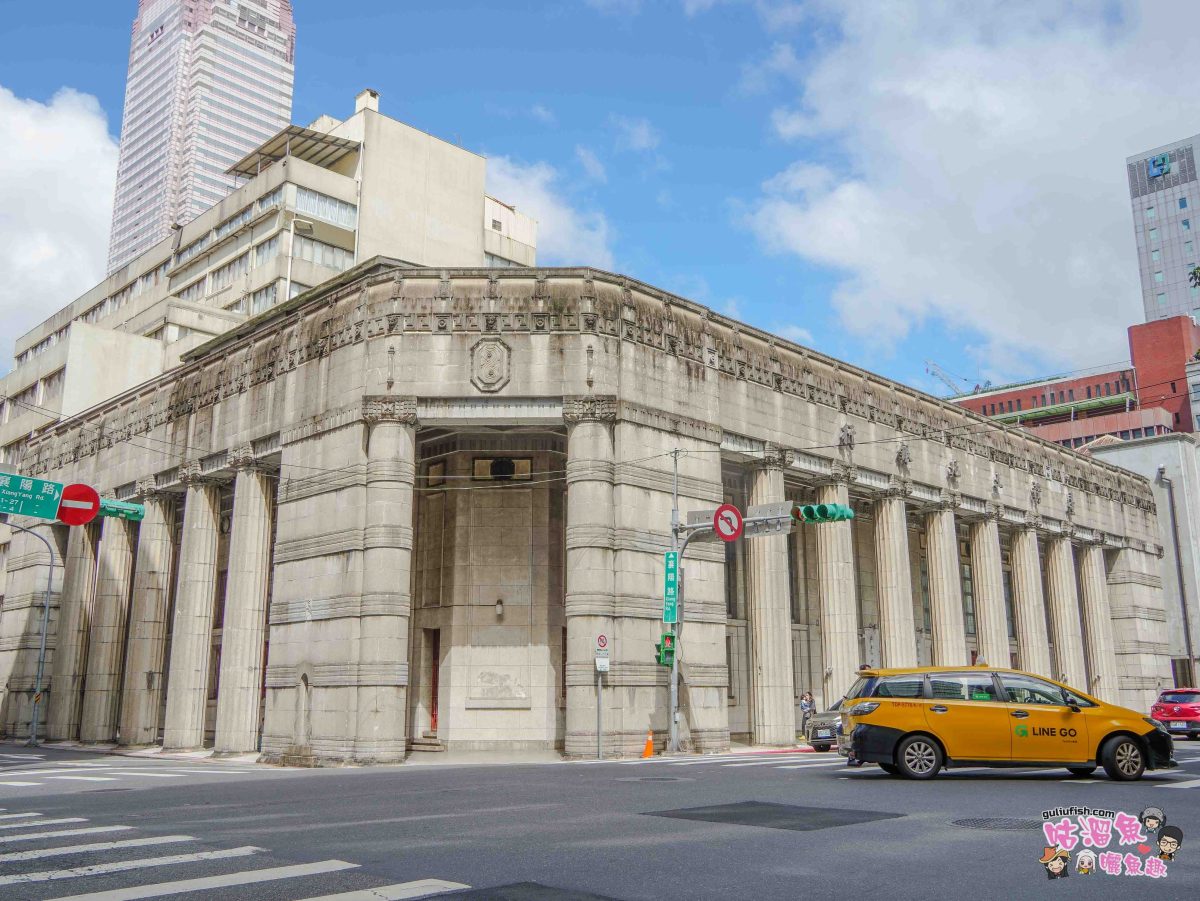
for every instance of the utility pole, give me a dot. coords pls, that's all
(673, 733)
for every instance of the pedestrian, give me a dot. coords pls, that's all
(806, 711)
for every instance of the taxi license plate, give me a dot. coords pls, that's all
(1175, 724)
(823, 733)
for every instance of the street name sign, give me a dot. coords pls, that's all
(671, 587)
(24, 496)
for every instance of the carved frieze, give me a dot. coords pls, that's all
(585, 407)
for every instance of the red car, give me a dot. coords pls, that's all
(1178, 709)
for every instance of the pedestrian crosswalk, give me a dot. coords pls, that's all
(61, 864)
(85, 772)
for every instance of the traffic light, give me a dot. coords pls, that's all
(665, 650)
(818, 513)
(122, 510)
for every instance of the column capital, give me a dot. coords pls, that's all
(774, 457)
(948, 500)
(993, 511)
(147, 488)
(589, 408)
(898, 487)
(192, 474)
(840, 473)
(242, 457)
(388, 408)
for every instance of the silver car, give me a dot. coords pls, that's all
(822, 730)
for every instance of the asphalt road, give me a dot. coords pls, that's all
(736, 827)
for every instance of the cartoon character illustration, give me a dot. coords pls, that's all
(1170, 839)
(1085, 862)
(1153, 819)
(1056, 860)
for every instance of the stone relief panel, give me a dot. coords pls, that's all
(490, 365)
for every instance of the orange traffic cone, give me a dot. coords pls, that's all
(648, 751)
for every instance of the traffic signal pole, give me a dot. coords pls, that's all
(673, 726)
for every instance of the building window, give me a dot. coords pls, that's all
(1172, 387)
(1010, 409)
(993, 409)
(1187, 224)
(325, 207)
(1155, 256)
(1161, 298)
(1176, 419)
(322, 254)
(1158, 277)
(1107, 389)
(1089, 392)
(1183, 203)
(1018, 405)
(1136, 433)
(1150, 214)
(1154, 234)
(1194, 290)
(496, 226)
(1187, 247)
(1071, 393)
(1125, 434)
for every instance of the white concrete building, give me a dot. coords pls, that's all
(1172, 465)
(208, 81)
(395, 512)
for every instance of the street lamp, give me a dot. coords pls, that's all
(41, 664)
(304, 227)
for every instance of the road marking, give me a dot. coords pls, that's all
(148, 775)
(61, 833)
(189, 770)
(23, 756)
(805, 766)
(781, 759)
(33, 772)
(26, 825)
(84, 778)
(94, 846)
(18, 784)
(120, 866)
(246, 877)
(17, 816)
(422, 888)
(84, 763)
(1187, 783)
(1081, 781)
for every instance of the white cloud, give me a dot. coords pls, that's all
(795, 333)
(970, 166)
(591, 164)
(566, 235)
(542, 114)
(58, 167)
(634, 133)
(616, 7)
(780, 62)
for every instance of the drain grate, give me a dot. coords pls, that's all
(1004, 824)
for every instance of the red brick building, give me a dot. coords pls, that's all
(1148, 398)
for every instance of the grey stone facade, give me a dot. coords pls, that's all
(395, 513)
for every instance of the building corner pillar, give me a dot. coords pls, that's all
(106, 640)
(590, 591)
(949, 647)
(382, 699)
(1098, 626)
(1065, 629)
(141, 695)
(191, 631)
(987, 570)
(243, 627)
(897, 626)
(840, 652)
(772, 678)
(69, 663)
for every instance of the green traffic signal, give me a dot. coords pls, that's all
(819, 513)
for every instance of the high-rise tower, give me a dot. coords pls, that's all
(209, 80)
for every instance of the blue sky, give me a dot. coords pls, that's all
(885, 182)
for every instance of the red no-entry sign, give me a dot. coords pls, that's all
(79, 505)
(727, 522)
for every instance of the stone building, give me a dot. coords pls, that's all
(395, 512)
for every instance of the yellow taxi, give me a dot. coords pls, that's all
(914, 722)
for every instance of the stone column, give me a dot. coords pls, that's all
(768, 605)
(244, 624)
(945, 588)
(69, 662)
(838, 591)
(387, 563)
(191, 632)
(590, 592)
(1064, 614)
(106, 643)
(897, 628)
(1029, 604)
(141, 697)
(1097, 625)
(991, 622)
(1139, 624)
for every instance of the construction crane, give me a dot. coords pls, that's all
(932, 368)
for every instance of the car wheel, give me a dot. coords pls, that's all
(821, 747)
(1123, 759)
(890, 768)
(918, 757)
(1081, 771)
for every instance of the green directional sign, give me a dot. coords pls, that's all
(122, 510)
(671, 588)
(25, 496)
